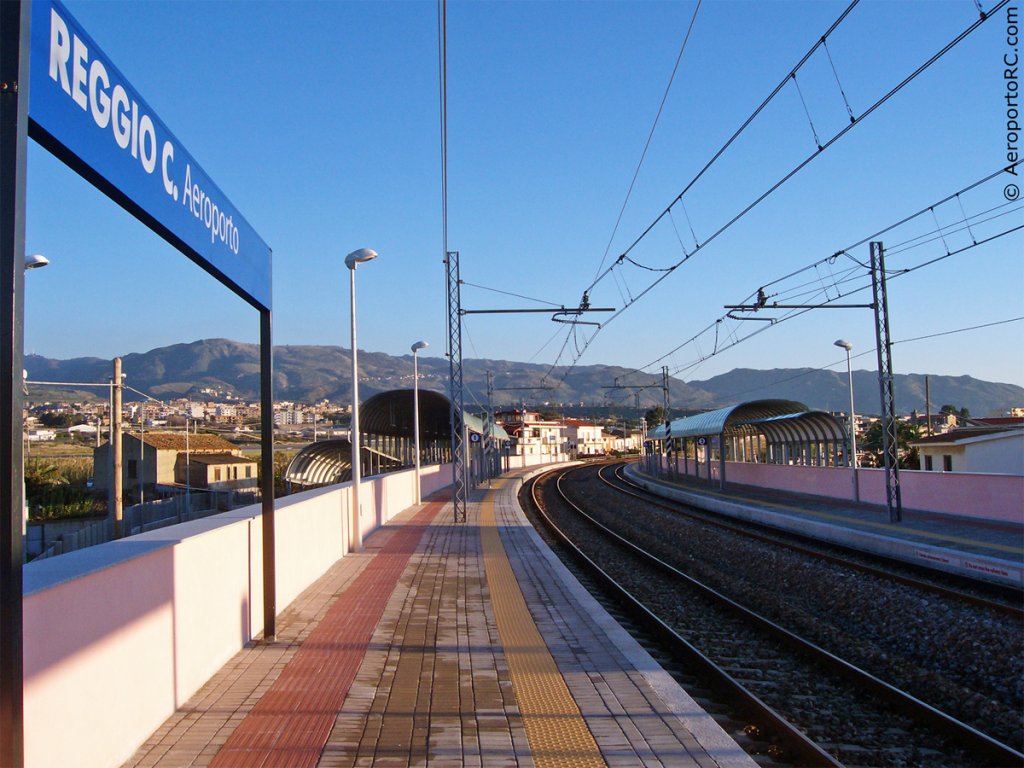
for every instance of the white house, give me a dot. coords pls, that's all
(584, 438)
(531, 436)
(994, 450)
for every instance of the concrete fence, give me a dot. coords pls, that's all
(969, 494)
(117, 636)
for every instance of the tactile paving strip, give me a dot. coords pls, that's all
(555, 729)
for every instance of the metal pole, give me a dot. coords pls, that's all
(664, 386)
(142, 453)
(928, 405)
(853, 431)
(15, 19)
(890, 440)
(110, 452)
(416, 418)
(459, 479)
(267, 469)
(353, 435)
(188, 473)
(117, 478)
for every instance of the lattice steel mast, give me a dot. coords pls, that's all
(890, 437)
(460, 480)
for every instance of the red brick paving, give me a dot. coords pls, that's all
(291, 722)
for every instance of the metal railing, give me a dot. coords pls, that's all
(152, 515)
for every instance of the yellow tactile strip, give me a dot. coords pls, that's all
(555, 729)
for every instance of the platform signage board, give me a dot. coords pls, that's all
(86, 112)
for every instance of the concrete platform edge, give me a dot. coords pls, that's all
(914, 552)
(708, 733)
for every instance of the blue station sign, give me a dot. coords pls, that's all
(86, 112)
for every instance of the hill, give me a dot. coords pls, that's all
(829, 390)
(307, 374)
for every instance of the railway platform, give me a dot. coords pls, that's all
(988, 549)
(444, 644)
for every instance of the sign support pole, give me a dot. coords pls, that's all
(267, 471)
(15, 19)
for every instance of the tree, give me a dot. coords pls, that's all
(654, 417)
(548, 414)
(872, 445)
(53, 419)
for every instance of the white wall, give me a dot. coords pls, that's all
(119, 635)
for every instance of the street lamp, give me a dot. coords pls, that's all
(354, 258)
(416, 411)
(853, 422)
(31, 262)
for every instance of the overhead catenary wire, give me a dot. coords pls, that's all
(896, 89)
(848, 276)
(797, 312)
(871, 351)
(509, 293)
(739, 131)
(649, 137)
(442, 76)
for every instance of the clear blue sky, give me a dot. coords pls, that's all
(320, 122)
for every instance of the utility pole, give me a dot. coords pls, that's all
(116, 501)
(928, 405)
(488, 430)
(890, 436)
(664, 387)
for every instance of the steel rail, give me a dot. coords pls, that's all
(712, 519)
(795, 741)
(998, 753)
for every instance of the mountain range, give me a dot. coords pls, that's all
(308, 374)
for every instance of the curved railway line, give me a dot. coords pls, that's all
(816, 662)
(984, 594)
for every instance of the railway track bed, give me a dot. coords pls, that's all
(959, 663)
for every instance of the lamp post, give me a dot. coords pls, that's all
(31, 262)
(354, 258)
(416, 411)
(853, 421)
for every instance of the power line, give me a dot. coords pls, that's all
(844, 278)
(871, 351)
(507, 293)
(649, 137)
(778, 184)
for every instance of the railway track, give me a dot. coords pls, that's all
(771, 676)
(996, 597)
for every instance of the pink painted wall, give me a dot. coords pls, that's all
(993, 497)
(118, 636)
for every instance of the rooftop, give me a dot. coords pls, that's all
(177, 441)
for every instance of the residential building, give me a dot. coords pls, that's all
(170, 460)
(998, 412)
(532, 437)
(991, 450)
(584, 438)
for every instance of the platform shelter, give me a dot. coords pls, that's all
(388, 441)
(760, 431)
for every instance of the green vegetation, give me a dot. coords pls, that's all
(871, 445)
(281, 460)
(56, 488)
(654, 417)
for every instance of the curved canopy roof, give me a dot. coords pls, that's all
(386, 413)
(810, 426)
(730, 419)
(324, 463)
(391, 413)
